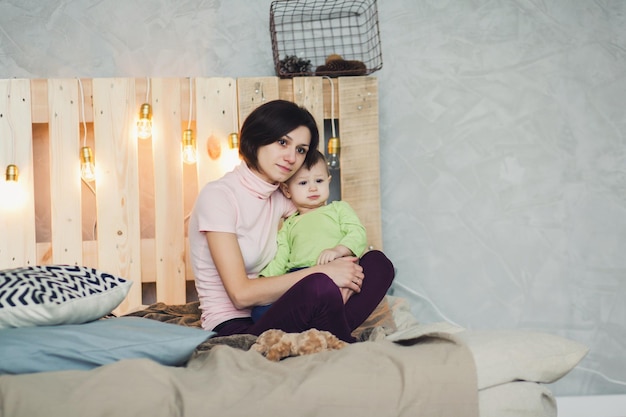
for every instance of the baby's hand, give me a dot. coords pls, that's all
(328, 255)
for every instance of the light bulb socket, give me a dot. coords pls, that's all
(188, 139)
(12, 173)
(233, 140)
(86, 155)
(145, 112)
(334, 145)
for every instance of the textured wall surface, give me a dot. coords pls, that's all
(503, 142)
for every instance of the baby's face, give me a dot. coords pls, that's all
(309, 189)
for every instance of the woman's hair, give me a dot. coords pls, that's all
(270, 122)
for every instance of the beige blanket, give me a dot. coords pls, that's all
(429, 376)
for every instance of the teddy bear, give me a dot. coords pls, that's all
(276, 344)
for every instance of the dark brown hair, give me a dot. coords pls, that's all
(270, 122)
(313, 157)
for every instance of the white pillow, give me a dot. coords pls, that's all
(508, 355)
(57, 294)
(515, 399)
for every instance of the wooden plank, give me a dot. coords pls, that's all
(65, 186)
(252, 92)
(285, 89)
(189, 272)
(117, 200)
(286, 92)
(17, 205)
(39, 96)
(308, 92)
(360, 155)
(216, 102)
(168, 191)
(90, 257)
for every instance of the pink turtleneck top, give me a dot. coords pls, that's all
(241, 203)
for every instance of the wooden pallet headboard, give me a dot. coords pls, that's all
(132, 221)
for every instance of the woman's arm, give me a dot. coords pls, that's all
(245, 292)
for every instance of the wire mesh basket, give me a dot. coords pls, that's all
(325, 37)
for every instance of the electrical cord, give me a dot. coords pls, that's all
(440, 313)
(425, 298)
(601, 375)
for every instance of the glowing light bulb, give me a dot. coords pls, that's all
(12, 173)
(13, 195)
(334, 148)
(144, 124)
(189, 147)
(87, 168)
(233, 140)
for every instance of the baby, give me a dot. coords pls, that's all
(318, 232)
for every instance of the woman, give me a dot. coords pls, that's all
(232, 236)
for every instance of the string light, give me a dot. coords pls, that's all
(189, 147)
(12, 173)
(334, 144)
(87, 167)
(189, 143)
(15, 195)
(14, 192)
(233, 140)
(144, 124)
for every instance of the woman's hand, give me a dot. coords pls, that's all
(345, 273)
(346, 293)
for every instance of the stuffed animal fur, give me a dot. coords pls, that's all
(275, 344)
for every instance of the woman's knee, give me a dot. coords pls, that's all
(320, 290)
(376, 263)
(379, 259)
(320, 285)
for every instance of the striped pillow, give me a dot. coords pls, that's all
(57, 294)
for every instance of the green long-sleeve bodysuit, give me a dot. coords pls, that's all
(303, 237)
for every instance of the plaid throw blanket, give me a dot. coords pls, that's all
(189, 315)
(181, 314)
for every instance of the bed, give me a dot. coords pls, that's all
(97, 308)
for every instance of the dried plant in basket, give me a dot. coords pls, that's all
(335, 65)
(292, 65)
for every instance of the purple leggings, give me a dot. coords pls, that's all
(316, 302)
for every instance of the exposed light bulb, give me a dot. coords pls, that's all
(334, 148)
(233, 140)
(144, 124)
(189, 147)
(14, 195)
(87, 168)
(12, 173)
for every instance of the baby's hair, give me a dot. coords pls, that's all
(315, 157)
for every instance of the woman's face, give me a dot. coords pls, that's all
(281, 159)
